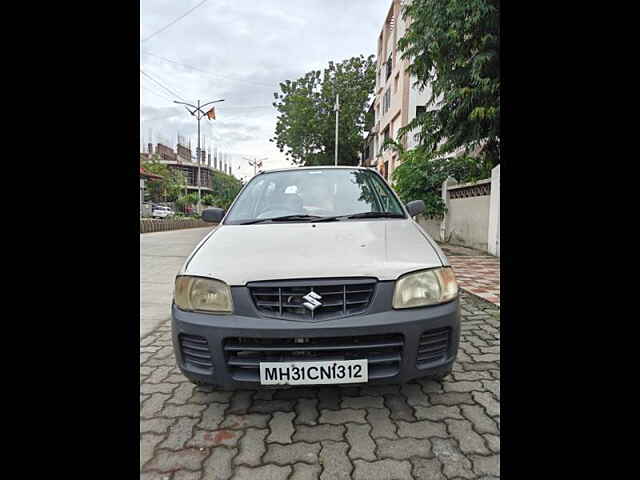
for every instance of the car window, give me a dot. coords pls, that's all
(321, 192)
(250, 196)
(388, 202)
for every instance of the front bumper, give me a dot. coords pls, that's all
(409, 324)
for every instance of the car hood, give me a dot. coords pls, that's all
(385, 249)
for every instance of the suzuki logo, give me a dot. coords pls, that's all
(312, 300)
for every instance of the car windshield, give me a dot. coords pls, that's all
(310, 194)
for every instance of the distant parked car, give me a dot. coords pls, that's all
(162, 212)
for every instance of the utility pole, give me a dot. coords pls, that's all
(337, 116)
(255, 164)
(198, 113)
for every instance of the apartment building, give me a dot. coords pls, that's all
(397, 101)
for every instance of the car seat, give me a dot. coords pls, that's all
(288, 201)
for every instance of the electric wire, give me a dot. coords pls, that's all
(162, 86)
(172, 22)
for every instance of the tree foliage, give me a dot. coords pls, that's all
(225, 188)
(421, 174)
(186, 200)
(454, 45)
(167, 189)
(208, 200)
(305, 129)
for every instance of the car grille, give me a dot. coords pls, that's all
(339, 298)
(195, 352)
(433, 346)
(383, 352)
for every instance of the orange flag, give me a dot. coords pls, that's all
(211, 114)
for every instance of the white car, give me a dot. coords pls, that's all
(316, 275)
(162, 212)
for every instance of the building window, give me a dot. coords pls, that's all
(420, 110)
(385, 137)
(389, 66)
(396, 83)
(386, 101)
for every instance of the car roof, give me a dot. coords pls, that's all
(323, 167)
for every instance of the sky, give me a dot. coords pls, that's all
(239, 51)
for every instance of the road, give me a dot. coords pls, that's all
(161, 256)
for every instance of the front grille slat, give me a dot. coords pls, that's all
(433, 346)
(267, 304)
(193, 346)
(207, 365)
(355, 302)
(310, 348)
(383, 352)
(339, 298)
(195, 352)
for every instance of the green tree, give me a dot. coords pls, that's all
(225, 188)
(454, 45)
(421, 174)
(167, 189)
(305, 129)
(208, 199)
(190, 199)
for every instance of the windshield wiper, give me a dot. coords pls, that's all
(316, 218)
(310, 218)
(375, 215)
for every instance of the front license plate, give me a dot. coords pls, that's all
(313, 373)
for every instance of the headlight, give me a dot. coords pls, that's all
(203, 295)
(428, 287)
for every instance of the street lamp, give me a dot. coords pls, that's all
(198, 113)
(255, 164)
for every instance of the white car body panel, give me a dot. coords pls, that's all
(381, 248)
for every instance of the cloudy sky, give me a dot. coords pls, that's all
(240, 50)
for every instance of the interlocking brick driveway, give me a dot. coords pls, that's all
(476, 271)
(478, 275)
(422, 430)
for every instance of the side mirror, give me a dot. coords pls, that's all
(415, 207)
(213, 215)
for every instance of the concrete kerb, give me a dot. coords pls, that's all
(150, 225)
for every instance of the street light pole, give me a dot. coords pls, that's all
(198, 158)
(254, 163)
(198, 113)
(337, 116)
